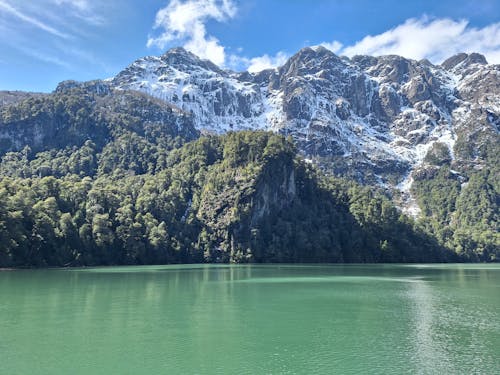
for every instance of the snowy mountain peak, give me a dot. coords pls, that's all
(310, 60)
(373, 118)
(183, 60)
(464, 60)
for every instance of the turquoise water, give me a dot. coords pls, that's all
(272, 319)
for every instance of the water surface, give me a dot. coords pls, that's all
(272, 319)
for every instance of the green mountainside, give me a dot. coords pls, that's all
(91, 176)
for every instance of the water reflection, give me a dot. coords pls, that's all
(430, 350)
(252, 319)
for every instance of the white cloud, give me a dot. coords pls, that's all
(7, 8)
(434, 39)
(184, 21)
(59, 26)
(78, 4)
(334, 46)
(258, 64)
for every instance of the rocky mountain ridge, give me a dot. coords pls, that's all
(144, 172)
(373, 118)
(381, 120)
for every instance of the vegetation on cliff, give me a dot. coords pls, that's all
(90, 177)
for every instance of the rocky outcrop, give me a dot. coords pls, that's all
(378, 113)
(77, 112)
(464, 60)
(371, 118)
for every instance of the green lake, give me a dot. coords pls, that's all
(255, 319)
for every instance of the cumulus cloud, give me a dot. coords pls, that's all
(184, 21)
(433, 39)
(258, 64)
(334, 46)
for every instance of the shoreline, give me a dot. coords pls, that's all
(7, 269)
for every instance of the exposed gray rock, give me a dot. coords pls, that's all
(464, 60)
(372, 118)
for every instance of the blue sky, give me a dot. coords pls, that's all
(43, 42)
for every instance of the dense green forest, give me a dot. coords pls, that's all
(242, 197)
(100, 179)
(460, 200)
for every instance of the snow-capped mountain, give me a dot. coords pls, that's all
(386, 121)
(374, 118)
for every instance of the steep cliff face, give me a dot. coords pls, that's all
(382, 121)
(371, 118)
(78, 112)
(275, 190)
(218, 100)
(238, 195)
(270, 206)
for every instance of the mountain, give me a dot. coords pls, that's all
(12, 97)
(375, 119)
(376, 116)
(242, 197)
(425, 135)
(77, 113)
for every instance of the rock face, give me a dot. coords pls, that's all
(372, 118)
(218, 100)
(77, 112)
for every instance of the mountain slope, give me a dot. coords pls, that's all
(426, 135)
(93, 118)
(384, 121)
(243, 197)
(376, 116)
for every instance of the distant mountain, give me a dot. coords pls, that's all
(375, 118)
(12, 97)
(426, 135)
(78, 112)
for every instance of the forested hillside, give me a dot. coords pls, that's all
(241, 197)
(93, 177)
